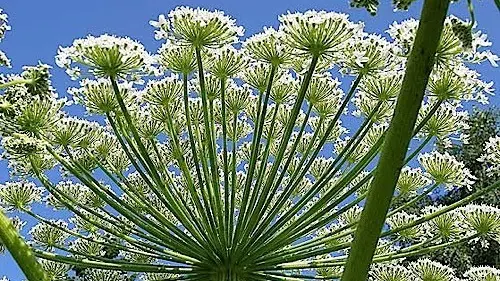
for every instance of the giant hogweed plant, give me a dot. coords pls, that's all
(215, 160)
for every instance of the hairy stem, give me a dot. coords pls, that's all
(21, 253)
(420, 64)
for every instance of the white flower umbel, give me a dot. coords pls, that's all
(19, 195)
(106, 56)
(318, 33)
(446, 121)
(482, 273)
(482, 219)
(445, 169)
(451, 49)
(389, 272)
(56, 270)
(369, 55)
(203, 28)
(177, 58)
(410, 181)
(48, 235)
(98, 96)
(445, 226)
(425, 269)
(402, 218)
(226, 62)
(268, 46)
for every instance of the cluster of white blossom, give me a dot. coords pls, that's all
(491, 156)
(4, 26)
(237, 151)
(445, 169)
(426, 269)
(106, 55)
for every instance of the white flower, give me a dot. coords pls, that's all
(268, 46)
(446, 226)
(491, 156)
(177, 58)
(411, 180)
(162, 25)
(425, 270)
(98, 95)
(56, 270)
(458, 83)
(4, 60)
(165, 91)
(482, 273)
(389, 272)
(3, 24)
(369, 55)
(323, 88)
(284, 90)
(318, 32)
(203, 28)
(238, 98)
(106, 55)
(19, 195)
(446, 121)
(452, 48)
(226, 62)
(482, 219)
(401, 219)
(47, 235)
(445, 169)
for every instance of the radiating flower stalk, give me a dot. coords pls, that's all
(211, 161)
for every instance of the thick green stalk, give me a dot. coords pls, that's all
(21, 253)
(419, 67)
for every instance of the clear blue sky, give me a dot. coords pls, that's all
(39, 27)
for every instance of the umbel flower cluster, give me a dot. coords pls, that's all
(211, 161)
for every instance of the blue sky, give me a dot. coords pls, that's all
(39, 27)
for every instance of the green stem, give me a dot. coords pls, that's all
(21, 252)
(256, 138)
(188, 224)
(16, 82)
(192, 144)
(289, 188)
(233, 178)
(225, 162)
(419, 67)
(212, 154)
